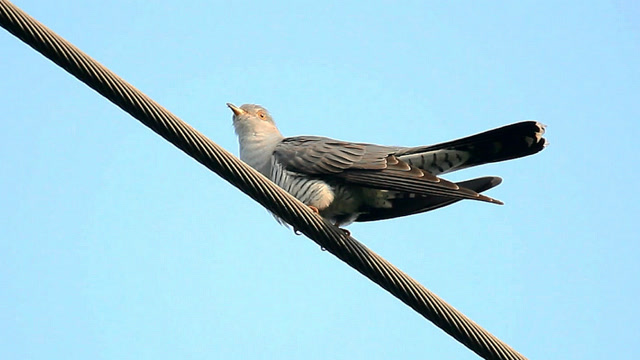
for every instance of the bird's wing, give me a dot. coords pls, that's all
(409, 204)
(366, 165)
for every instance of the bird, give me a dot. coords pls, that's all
(346, 182)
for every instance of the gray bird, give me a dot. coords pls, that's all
(346, 182)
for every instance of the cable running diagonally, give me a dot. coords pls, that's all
(252, 183)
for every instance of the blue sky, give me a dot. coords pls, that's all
(115, 245)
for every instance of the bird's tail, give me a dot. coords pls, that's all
(408, 204)
(505, 143)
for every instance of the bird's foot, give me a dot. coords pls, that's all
(344, 231)
(312, 208)
(315, 210)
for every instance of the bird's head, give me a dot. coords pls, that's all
(252, 120)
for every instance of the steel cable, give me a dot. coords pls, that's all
(276, 200)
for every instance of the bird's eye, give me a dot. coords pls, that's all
(262, 115)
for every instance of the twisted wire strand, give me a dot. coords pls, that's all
(252, 183)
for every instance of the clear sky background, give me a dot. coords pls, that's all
(116, 245)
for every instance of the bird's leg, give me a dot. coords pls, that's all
(344, 231)
(315, 210)
(312, 208)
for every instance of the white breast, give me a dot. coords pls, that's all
(312, 192)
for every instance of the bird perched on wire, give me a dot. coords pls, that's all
(346, 182)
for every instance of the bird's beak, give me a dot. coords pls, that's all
(236, 110)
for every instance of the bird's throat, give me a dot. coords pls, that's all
(257, 149)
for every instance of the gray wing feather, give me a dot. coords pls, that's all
(409, 205)
(365, 165)
(322, 156)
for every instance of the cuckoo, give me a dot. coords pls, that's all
(346, 181)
